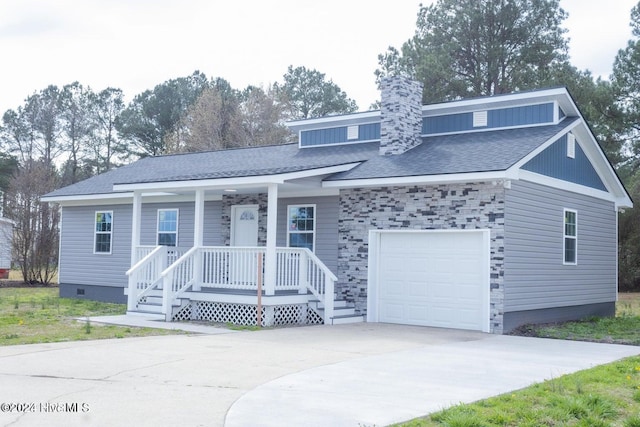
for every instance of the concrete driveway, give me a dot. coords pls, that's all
(345, 375)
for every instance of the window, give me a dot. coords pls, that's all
(168, 227)
(102, 232)
(570, 237)
(301, 228)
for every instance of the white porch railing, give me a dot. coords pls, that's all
(234, 268)
(145, 274)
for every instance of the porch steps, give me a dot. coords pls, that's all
(343, 312)
(152, 307)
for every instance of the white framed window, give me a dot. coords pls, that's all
(102, 232)
(301, 226)
(167, 227)
(570, 246)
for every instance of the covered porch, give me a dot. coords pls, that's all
(246, 282)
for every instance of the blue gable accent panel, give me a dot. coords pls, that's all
(503, 117)
(553, 162)
(338, 135)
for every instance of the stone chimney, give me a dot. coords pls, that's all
(401, 115)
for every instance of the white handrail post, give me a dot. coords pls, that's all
(197, 269)
(328, 299)
(132, 295)
(164, 261)
(166, 295)
(303, 272)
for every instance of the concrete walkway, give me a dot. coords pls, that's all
(344, 375)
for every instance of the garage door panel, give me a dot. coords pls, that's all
(416, 314)
(393, 311)
(433, 279)
(417, 290)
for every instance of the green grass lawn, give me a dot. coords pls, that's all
(607, 395)
(622, 329)
(37, 315)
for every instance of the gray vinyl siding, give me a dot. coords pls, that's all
(326, 226)
(534, 274)
(78, 263)
(186, 218)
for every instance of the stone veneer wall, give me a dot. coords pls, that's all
(400, 115)
(249, 199)
(459, 206)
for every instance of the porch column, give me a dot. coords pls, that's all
(270, 255)
(136, 222)
(198, 238)
(198, 227)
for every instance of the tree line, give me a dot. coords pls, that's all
(460, 49)
(468, 48)
(60, 136)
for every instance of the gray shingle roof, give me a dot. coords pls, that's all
(460, 153)
(253, 161)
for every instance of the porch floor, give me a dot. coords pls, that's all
(249, 292)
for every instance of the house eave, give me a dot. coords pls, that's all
(233, 182)
(418, 179)
(123, 197)
(620, 201)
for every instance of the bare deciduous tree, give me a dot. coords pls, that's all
(35, 239)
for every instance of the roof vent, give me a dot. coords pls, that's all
(571, 145)
(352, 132)
(479, 119)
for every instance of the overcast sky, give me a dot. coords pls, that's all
(136, 44)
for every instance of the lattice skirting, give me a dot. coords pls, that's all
(245, 314)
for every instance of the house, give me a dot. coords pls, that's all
(479, 214)
(6, 240)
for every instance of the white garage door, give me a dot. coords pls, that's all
(433, 278)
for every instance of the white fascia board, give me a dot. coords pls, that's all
(574, 188)
(335, 121)
(603, 167)
(218, 183)
(98, 198)
(500, 101)
(124, 199)
(314, 192)
(419, 179)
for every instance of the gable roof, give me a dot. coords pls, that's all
(244, 162)
(459, 155)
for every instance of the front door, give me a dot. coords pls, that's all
(243, 264)
(244, 225)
